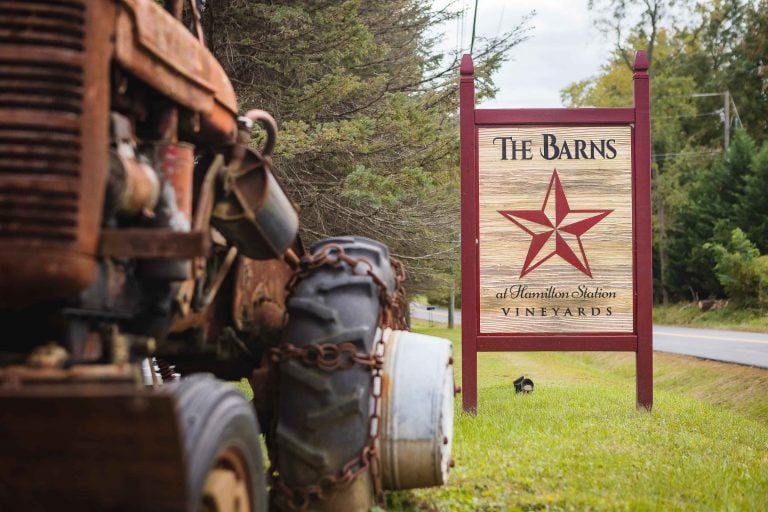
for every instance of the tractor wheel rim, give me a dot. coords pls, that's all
(226, 487)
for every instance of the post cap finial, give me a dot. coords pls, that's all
(467, 68)
(641, 61)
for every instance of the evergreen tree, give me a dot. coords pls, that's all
(753, 216)
(368, 141)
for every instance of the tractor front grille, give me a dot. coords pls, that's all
(42, 59)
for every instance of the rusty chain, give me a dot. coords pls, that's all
(326, 356)
(400, 301)
(333, 357)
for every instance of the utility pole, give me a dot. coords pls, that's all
(451, 303)
(727, 115)
(727, 100)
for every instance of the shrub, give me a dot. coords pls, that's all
(741, 270)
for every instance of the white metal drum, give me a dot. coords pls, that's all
(417, 411)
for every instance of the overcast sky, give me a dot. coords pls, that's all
(563, 47)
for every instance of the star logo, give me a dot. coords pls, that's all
(555, 229)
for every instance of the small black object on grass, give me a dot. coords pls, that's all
(430, 309)
(523, 385)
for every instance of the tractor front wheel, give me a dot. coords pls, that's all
(220, 434)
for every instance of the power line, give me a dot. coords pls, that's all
(462, 22)
(737, 119)
(725, 116)
(693, 95)
(474, 24)
(724, 113)
(665, 156)
(702, 114)
(459, 21)
(501, 21)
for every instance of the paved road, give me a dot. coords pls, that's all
(438, 315)
(730, 346)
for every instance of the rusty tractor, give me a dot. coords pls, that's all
(148, 255)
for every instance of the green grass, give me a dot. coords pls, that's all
(578, 442)
(731, 317)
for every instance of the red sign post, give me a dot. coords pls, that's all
(556, 230)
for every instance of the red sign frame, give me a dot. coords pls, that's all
(640, 340)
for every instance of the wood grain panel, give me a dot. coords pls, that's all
(549, 297)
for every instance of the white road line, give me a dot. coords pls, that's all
(701, 336)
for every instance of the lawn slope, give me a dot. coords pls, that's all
(578, 443)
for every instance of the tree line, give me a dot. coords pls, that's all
(367, 110)
(709, 113)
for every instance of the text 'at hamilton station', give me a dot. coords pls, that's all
(556, 230)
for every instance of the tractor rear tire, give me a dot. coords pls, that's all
(323, 416)
(225, 469)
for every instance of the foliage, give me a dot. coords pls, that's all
(368, 141)
(748, 73)
(753, 214)
(718, 198)
(741, 270)
(732, 317)
(438, 298)
(701, 189)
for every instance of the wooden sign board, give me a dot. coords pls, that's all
(556, 235)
